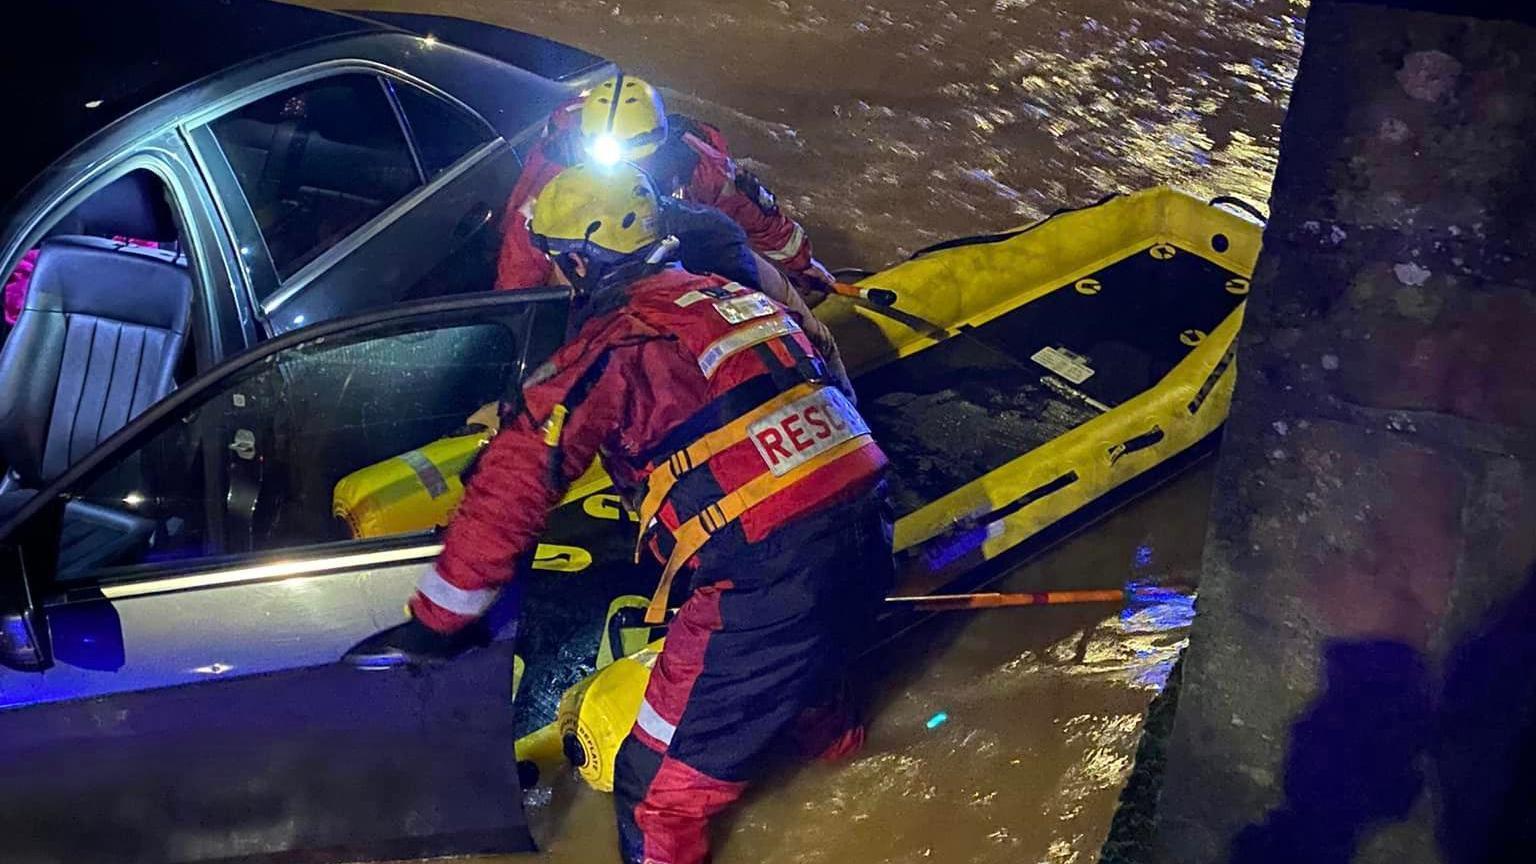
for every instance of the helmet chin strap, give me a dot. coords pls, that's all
(601, 289)
(600, 277)
(578, 282)
(664, 250)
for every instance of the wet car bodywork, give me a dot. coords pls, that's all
(187, 706)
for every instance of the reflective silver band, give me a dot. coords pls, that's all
(429, 475)
(459, 601)
(742, 338)
(655, 725)
(790, 249)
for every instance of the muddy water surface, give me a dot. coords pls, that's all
(1001, 736)
(893, 125)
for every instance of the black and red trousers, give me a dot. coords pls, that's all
(753, 671)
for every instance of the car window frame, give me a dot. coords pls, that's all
(34, 527)
(265, 290)
(167, 157)
(393, 88)
(282, 285)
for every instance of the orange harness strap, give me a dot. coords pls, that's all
(691, 536)
(660, 481)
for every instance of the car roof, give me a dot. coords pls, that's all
(537, 54)
(73, 68)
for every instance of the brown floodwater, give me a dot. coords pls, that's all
(889, 126)
(1000, 736)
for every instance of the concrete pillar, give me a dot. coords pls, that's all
(1361, 680)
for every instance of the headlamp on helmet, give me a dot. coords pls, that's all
(622, 119)
(605, 150)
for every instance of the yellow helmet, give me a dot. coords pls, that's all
(605, 213)
(623, 118)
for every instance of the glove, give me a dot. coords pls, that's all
(814, 283)
(821, 337)
(414, 644)
(487, 415)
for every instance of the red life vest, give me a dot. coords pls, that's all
(774, 442)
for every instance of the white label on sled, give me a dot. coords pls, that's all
(1063, 363)
(804, 429)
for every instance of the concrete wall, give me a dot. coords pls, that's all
(1362, 674)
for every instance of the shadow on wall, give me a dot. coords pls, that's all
(1381, 733)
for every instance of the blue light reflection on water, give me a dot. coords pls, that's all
(1152, 610)
(1143, 555)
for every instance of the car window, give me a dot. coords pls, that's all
(316, 162)
(444, 133)
(329, 441)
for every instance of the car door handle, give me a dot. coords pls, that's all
(244, 444)
(477, 217)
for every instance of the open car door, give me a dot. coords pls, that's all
(173, 610)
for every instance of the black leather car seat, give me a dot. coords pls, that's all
(132, 206)
(96, 343)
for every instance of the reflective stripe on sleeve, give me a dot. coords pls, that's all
(459, 601)
(790, 249)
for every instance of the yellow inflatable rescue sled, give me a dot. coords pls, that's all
(414, 491)
(1066, 359)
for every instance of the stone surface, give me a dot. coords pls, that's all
(1429, 76)
(1362, 675)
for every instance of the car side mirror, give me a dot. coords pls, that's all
(85, 633)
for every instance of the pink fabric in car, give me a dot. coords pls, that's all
(16, 284)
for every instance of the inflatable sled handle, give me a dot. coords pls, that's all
(1234, 201)
(874, 296)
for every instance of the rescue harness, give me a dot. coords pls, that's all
(796, 420)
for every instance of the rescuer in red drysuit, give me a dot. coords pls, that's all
(752, 475)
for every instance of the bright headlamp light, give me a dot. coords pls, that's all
(605, 150)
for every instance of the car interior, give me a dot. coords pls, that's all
(317, 163)
(190, 494)
(101, 334)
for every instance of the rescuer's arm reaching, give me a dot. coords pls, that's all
(775, 285)
(521, 474)
(738, 193)
(569, 410)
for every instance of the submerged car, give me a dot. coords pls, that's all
(231, 416)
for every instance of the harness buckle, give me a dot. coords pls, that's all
(681, 462)
(713, 518)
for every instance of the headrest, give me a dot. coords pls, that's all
(133, 205)
(97, 277)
